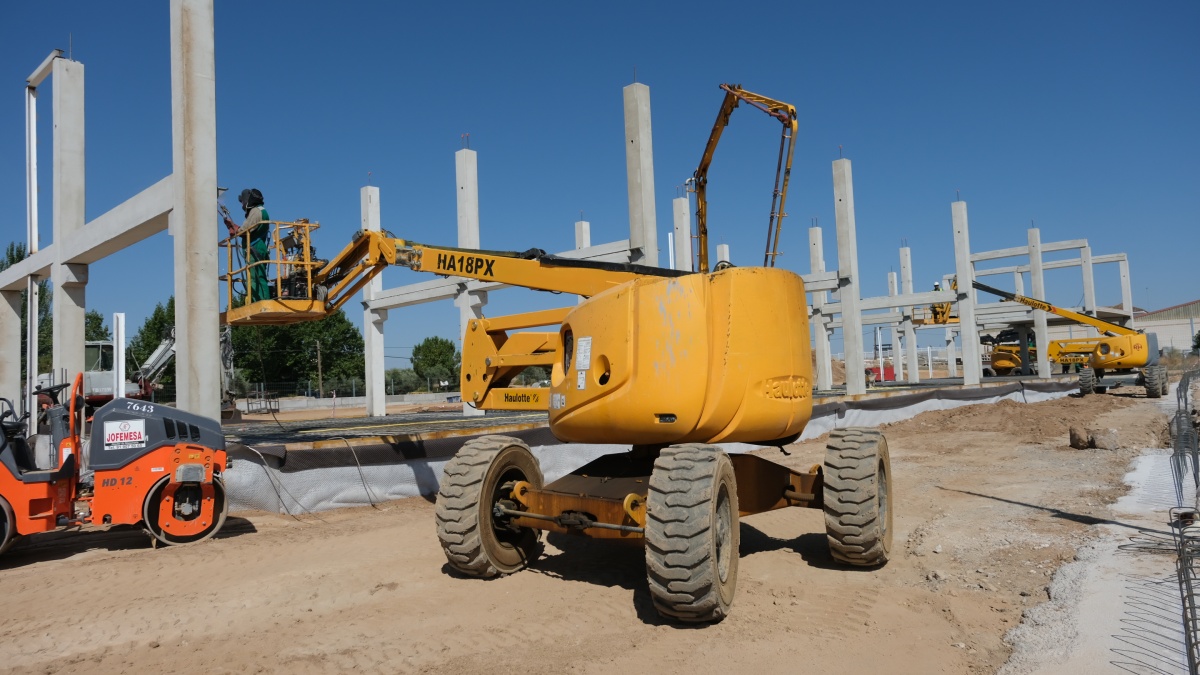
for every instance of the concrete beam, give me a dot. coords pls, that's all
(42, 71)
(137, 218)
(194, 162)
(69, 181)
(639, 165)
(37, 265)
(1024, 250)
(848, 293)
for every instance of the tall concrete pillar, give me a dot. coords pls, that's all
(470, 303)
(1041, 334)
(373, 319)
(1126, 290)
(1089, 288)
(194, 152)
(897, 350)
(951, 353)
(639, 164)
(848, 282)
(968, 329)
(1023, 345)
(820, 328)
(583, 239)
(69, 281)
(10, 346)
(722, 252)
(1019, 283)
(910, 334)
(683, 234)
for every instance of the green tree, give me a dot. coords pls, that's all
(436, 360)
(94, 328)
(13, 254)
(403, 380)
(147, 338)
(289, 354)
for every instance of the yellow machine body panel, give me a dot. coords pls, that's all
(1122, 352)
(721, 357)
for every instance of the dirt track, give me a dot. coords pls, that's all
(989, 502)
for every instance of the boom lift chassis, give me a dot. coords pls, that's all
(669, 363)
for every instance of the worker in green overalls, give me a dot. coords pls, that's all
(257, 232)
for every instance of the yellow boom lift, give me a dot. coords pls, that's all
(1121, 351)
(668, 363)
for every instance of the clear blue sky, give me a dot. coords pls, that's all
(1080, 117)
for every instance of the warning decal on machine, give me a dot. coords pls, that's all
(124, 434)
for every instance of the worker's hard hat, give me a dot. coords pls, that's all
(250, 198)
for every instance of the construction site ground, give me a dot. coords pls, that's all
(990, 501)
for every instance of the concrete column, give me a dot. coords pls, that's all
(897, 350)
(680, 207)
(194, 152)
(639, 164)
(910, 334)
(1023, 344)
(118, 334)
(1089, 288)
(1019, 283)
(972, 367)
(470, 304)
(951, 354)
(69, 281)
(847, 243)
(1126, 290)
(820, 332)
(1040, 333)
(10, 347)
(723, 252)
(32, 235)
(373, 320)
(583, 239)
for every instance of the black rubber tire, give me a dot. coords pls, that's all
(692, 537)
(1087, 382)
(150, 514)
(8, 526)
(1153, 381)
(473, 544)
(857, 497)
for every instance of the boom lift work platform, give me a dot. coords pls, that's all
(666, 362)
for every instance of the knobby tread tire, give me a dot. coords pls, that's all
(1153, 382)
(458, 511)
(683, 526)
(8, 526)
(857, 497)
(1087, 382)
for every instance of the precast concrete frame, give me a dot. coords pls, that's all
(180, 203)
(470, 296)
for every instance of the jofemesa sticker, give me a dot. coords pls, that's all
(583, 354)
(124, 434)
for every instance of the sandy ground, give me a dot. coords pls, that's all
(990, 501)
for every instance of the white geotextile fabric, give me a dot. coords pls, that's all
(251, 485)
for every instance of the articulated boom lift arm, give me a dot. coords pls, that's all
(1103, 326)
(781, 111)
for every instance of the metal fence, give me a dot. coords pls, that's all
(1185, 518)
